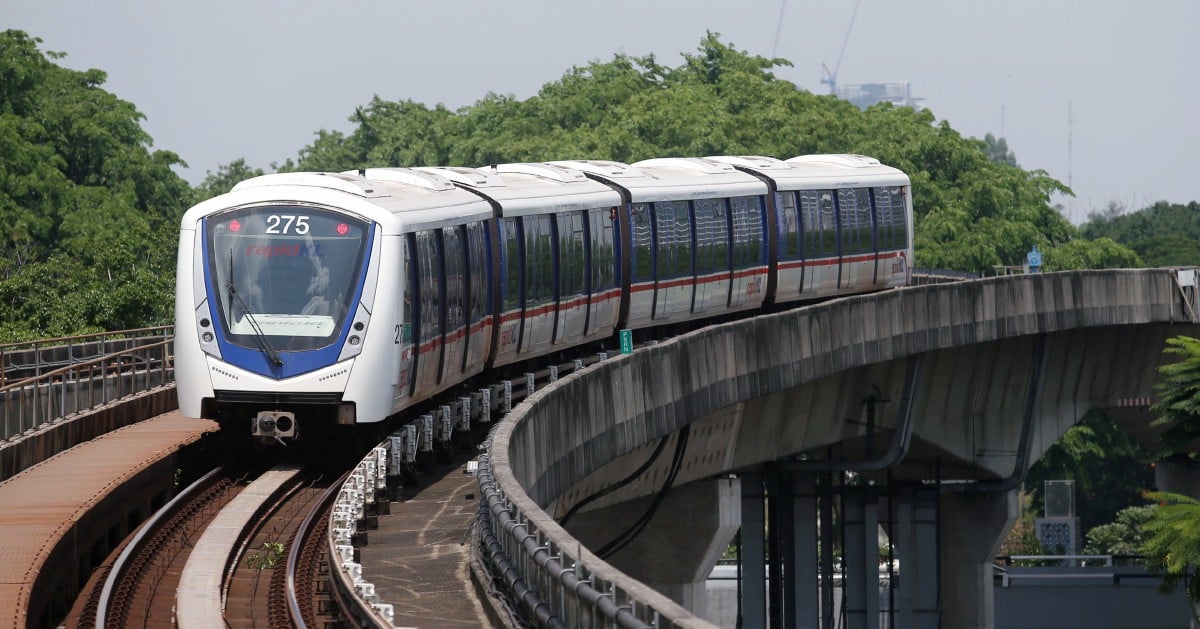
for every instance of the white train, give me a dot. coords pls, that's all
(343, 298)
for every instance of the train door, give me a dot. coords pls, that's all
(604, 291)
(430, 312)
(406, 331)
(891, 233)
(749, 254)
(512, 268)
(540, 307)
(572, 278)
(642, 279)
(712, 255)
(456, 288)
(674, 275)
(789, 273)
(818, 216)
(857, 237)
(478, 299)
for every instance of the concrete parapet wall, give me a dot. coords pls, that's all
(569, 429)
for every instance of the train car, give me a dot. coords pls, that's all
(290, 298)
(345, 298)
(843, 224)
(558, 256)
(697, 244)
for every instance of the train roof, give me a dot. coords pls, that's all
(399, 199)
(818, 171)
(532, 188)
(671, 178)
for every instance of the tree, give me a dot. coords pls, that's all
(1109, 468)
(87, 210)
(1178, 408)
(1163, 234)
(1171, 545)
(226, 177)
(997, 150)
(1124, 536)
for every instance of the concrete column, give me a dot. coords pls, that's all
(754, 575)
(973, 527)
(1178, 476)
(802, 605)
(860, 509)
(681, 543)
(915, 540)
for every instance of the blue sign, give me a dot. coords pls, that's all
(1034, 258)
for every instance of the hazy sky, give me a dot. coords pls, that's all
(223, 79)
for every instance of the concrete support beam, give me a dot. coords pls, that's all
(973, 527)
(802, 606)
(914, 535)
(860, 507)
(1178, 476)
(753, 552)
(678, 547)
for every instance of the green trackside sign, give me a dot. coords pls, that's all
(626, 341)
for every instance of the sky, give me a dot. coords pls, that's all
(1101, 94)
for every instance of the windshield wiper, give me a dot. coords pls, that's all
(259, 335)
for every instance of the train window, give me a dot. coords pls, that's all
(674, 239)
(603, 258)
(817, 222)
(789, 226)
(890, 214)
(431, 271)
(712, 236)
(747, 215)
(572, 267)
(854, 209)
(454, 241)
(643, 243)
(539, 261)
(477, 265)
(512, 262)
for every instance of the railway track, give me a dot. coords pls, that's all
(237, 548)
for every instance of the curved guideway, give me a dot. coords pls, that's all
(198, 599)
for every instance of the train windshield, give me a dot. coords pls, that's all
(283, 277)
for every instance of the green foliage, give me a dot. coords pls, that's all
(265, 558)
(1178, 407)
(1109, 468)
(1021, 538)
(1163, 234)
(1171, 541)
(1124, 536)
(226, 177)
(997, 150)
(87, 211)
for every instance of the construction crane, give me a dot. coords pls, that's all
(830, 77)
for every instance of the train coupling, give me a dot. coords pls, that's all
(278, 425)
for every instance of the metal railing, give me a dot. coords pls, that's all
(33, 402)
(19, 361)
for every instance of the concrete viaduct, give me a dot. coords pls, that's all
(917, 410)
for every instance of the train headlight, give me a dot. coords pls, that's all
(354, 340)
(208, 337)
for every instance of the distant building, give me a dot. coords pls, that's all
(866, 94)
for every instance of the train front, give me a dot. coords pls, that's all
(272, 308)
